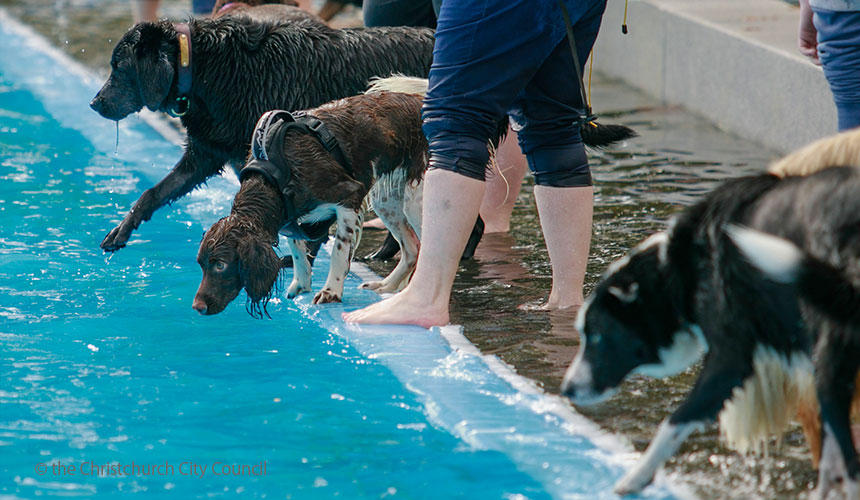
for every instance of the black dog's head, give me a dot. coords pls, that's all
(235, 254)
(141, 71)
(630, 324)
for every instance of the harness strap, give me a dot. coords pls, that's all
(268, 160)
(271, 122)
(316, 127)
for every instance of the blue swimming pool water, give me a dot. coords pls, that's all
(103, 363)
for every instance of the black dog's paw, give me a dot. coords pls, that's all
(286, 261)
(386, 251)
(474, 239)
(118, 236)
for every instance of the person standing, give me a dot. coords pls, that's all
(503, 185)
(491, 58)
(829, 34)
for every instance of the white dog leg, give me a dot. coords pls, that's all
(413, 201)
(832, 471)
(669, 437)
(389, 206)
(301, 268)
(348, 227)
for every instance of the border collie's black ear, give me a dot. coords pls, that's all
(258, 268)
(152, 64)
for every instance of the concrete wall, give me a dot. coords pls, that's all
(732, 61)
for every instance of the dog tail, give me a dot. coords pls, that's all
(597, 135)
(594, 134)
(398, 83)
(825, 286)
(836, 151)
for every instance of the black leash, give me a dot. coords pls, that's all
(564, 14)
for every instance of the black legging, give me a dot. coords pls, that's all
(401, 12)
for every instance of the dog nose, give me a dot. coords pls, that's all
(199, 305)
(96, 104)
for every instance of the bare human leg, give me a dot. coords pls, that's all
(565, 219)
(305, 5)
(451, 203)
(502, 189)
(145, 10)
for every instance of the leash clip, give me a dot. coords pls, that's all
(588, 119)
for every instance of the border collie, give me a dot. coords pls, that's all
(690, 291)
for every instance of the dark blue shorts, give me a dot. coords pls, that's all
(202, 6)
(839, 53)
(497, 57)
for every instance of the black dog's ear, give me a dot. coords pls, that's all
(152, 65)
(258, 268)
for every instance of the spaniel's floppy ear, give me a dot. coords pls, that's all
(152, 64)
(258, 269)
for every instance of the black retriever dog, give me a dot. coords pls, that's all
(240, 68)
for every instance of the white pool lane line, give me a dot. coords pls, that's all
(476, 397)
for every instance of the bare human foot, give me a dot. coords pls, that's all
(550, 305)
(451, 203)
(558, 302)
(400, 309)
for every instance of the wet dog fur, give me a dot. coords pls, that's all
(690, 290)
(242, 68)
(833, 294)
(380, 134)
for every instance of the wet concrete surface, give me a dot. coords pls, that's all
(638, 185)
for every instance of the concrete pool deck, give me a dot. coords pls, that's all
(735, 62)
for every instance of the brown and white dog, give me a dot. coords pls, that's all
(383, 152)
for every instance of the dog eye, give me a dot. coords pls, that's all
(220, 266)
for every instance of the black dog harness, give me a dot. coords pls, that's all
(269, 161)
